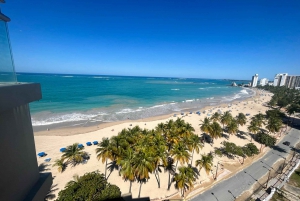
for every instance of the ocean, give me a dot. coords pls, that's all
(81, 99)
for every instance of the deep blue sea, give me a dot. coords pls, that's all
(96, 98)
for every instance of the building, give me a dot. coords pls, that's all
(280, 79)
(263, 82)
(292, 81)
(20, 176)
(254, 80)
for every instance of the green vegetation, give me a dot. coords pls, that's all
(265, 139)
(136, 152)
(72, 155)
(295, 178)
(231, 150)
(90, 187)
(279, 196)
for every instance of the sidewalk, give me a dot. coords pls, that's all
(278, 181)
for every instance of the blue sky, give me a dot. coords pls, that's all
(203, 39)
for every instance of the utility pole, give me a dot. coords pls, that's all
(216, 175)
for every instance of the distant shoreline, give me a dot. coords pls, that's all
(79, 127)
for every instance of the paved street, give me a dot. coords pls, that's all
(243, 181)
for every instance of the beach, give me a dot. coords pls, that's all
(54, 139)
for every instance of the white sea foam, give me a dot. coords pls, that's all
(97, 77)
(189, 100)
(124, 111)
(157, 106)
(175, 89)
(244, 91)
(67, 76)
(62, 118)
(201, 88)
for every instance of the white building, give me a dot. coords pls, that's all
(254, 80)
(263, 82)
(279, 79)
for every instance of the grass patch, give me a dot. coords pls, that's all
(295, 178)
(278, 197)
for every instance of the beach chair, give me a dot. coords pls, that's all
(191, 112)
(62, 149)
(88, 143)
(47, 160)
(95, 142)
(182, 113)
(80, 145)
(41, 154)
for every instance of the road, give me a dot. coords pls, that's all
(243, 181)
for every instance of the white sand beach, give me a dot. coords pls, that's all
(51, 141)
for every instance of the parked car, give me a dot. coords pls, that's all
(286, 143)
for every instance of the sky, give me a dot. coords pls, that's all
(195, 38)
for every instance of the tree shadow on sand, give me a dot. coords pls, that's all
(241, 135)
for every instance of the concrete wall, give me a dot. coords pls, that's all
(19, 174)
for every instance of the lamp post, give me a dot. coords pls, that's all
(231, 194)
(214, 196)
(283, 165)
(216, 175)
(268, 177)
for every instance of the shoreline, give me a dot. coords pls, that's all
(51, 141)
(66, 129)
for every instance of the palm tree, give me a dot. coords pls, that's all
(274, 124)
(241, 119)
(170, 167)
(259, 119)
(253, 128)
(232, 127)
(61, 166)
(180, 153)
(184, 179)
(160, 160)
(73, 154)
(215, 130)
(226, 118)
(216, 116)
(126, 163)
(205, 126)
(195, 145)
(205, 162)
(104, 151)
(143, 164)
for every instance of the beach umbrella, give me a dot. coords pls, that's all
(41, 154)
(95, 142)
(88, 143)
(80, 145)
(62, 149)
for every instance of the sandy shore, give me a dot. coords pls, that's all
(51, 141)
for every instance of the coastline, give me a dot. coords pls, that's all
(70, 128)
(51, 141)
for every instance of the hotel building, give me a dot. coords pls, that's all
(292, 81)
(254, 80)
(280, 79)
(20, 176)
(263, 82)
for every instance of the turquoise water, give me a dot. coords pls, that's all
(72, 98)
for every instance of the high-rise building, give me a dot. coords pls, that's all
(254, 80)
(280, 79)
(263, 82)
(292, 81)
(20, 176)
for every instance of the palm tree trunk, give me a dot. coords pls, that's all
(109, 175)
(192, 157)
(105, 167)
(130, 186)
(140, 189)
(169, 181)
(157, 177)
